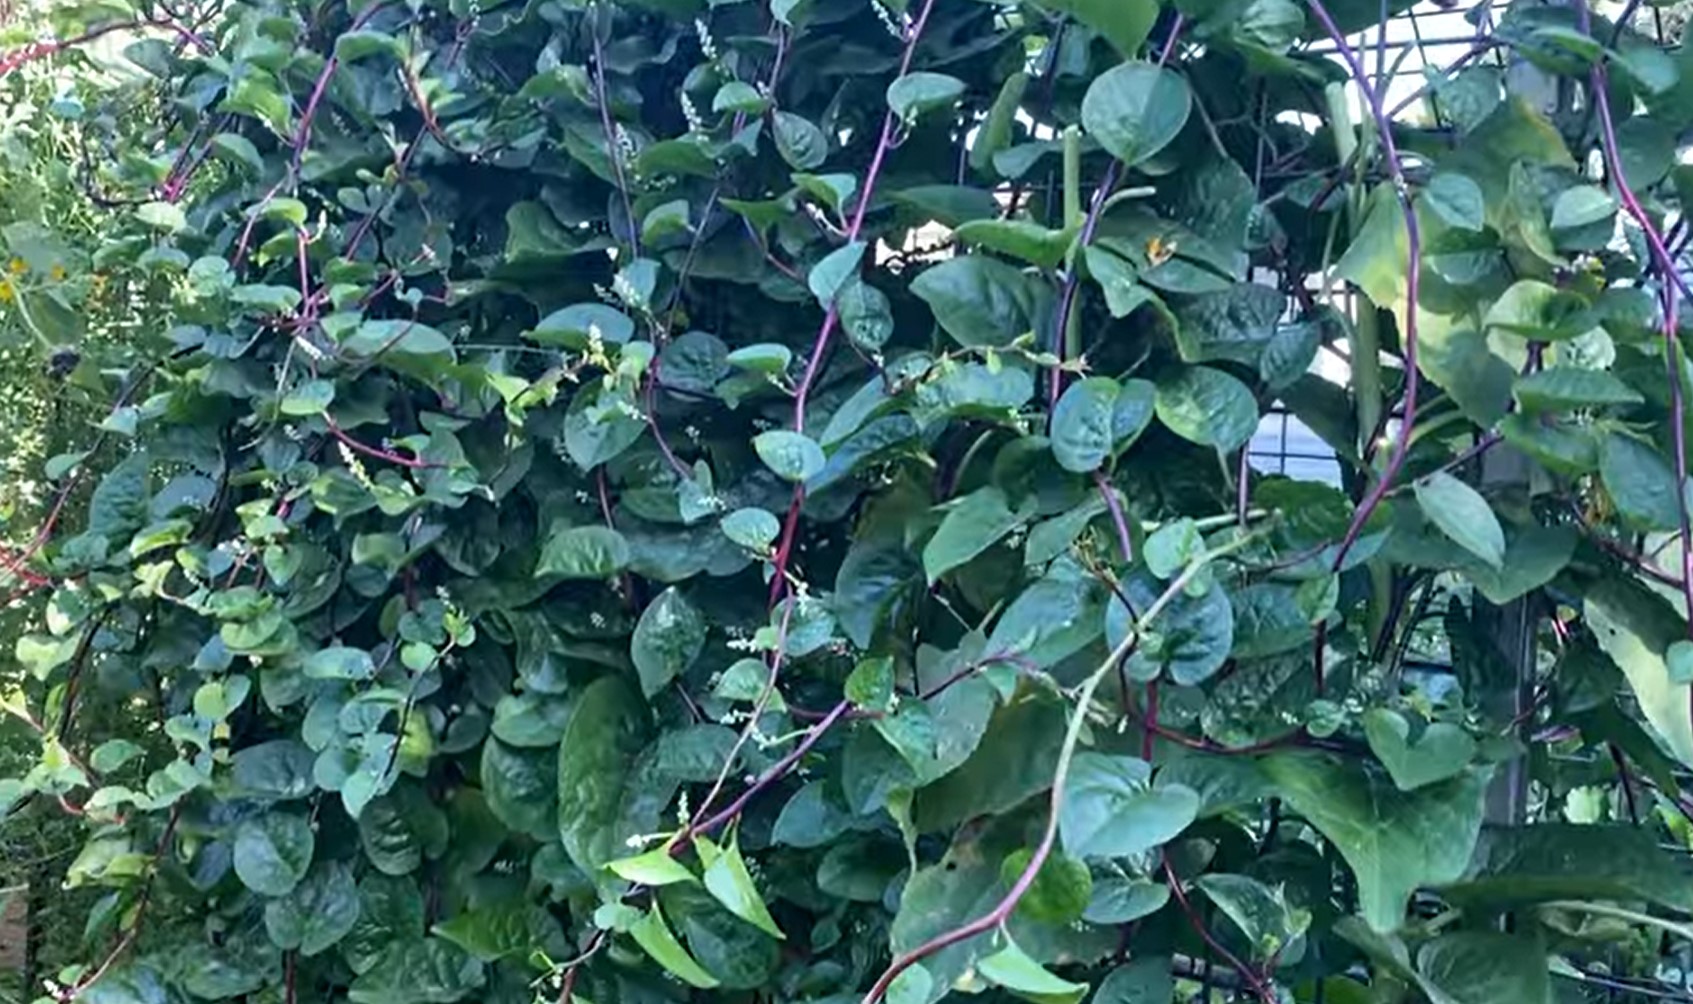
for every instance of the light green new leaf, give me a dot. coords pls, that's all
(1636, 627)
(727, 879)
(655, 868)
(1015, 971)
(655, 937)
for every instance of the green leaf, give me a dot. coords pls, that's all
(765, 357)
(654, 937)
(510, 929)
(319, 912)
(1531, 864)
(800, 143)
(1678, 660)
(753, 528)
(665, 219)
(1145, 980)
(1440, 751)
(1208, 407)
(739, 96)
(1540, 311)
(727, 880)
(1481, 967)
(1262, 914)
(1190, 640)
(1394, 841)
(870, 685)
(1456, 200)
(1082, 433)
(1463, 515)
(1636, 628)
(577, 325)
(794, 456)
(340, 664)
(1580, 206)
(1031, 242)
(1123, 23)
(1641, 483)
(1111, 811)
(1564, 388)
(1015, 971)
(978, 301)
(1135, 110)
(607, 729)
(668, 638)
(1234, 325)
(418, 971)
(1061, 889)
(272, 852)
(973, 524)
(866, 316)
(584, 552)
(913, 94)
(521, 787)
(655, 868)
(837, 268)
(112, 754)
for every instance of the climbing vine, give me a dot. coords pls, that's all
(636, 500)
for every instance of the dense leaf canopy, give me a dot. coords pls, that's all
(648, 500)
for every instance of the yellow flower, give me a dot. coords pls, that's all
(17, 266)
(1159, 251)
(5, 291)
(57, 272)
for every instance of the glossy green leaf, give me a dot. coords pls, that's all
(1208, 407)
(1111, 810)
(914, 94)
(971, 526)
(1393, 841)
(272, 852)
(668, 638)
(1463, 515)
(1135, 110)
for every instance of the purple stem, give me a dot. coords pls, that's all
(1073, 281)
(776, 772)
(1413, 285)
(1125, 541)
(1672, 346)
(890, 128)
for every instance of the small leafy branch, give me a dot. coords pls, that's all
(603, 499)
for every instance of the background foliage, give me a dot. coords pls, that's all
(658, 499)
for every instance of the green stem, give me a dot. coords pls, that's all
(1676, 928)
(1072, 177)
